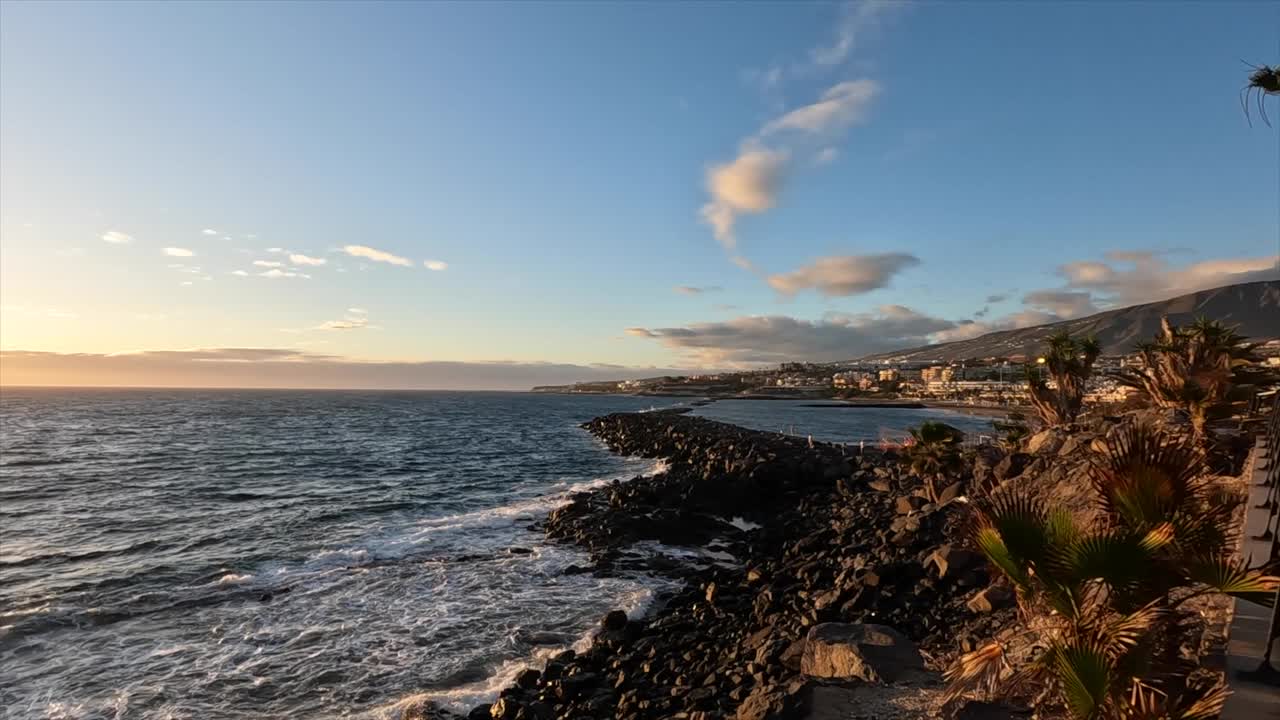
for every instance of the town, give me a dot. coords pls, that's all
(991, 382)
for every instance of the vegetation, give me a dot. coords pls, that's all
(934, 454)
(1263, 81)
(1013, 431)
(1069, 362)
(1199, 369)
(1099, 604)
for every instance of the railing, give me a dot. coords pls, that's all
(1264, 528)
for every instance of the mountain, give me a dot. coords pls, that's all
(1254, 308)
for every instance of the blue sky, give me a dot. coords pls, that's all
(561, 160)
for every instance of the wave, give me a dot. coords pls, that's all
(637, 604)
(59, 558)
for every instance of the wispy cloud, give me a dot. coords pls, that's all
(692, 290)
(352, 321)
(240, 273)
(376, 255)
(300, 259)
(358, 311)
(209, 231)
(844, 275)
(858, 19)
(268, 263)
(177, 252)
(115, 237)
(276, 273)
(437, 265)
(841, 105)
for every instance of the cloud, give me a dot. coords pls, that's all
(1065, 304)
(826, 156)
(177, 252)
(300, 259)
(1127, 277)
(691, 290)
(355, 319)
(115, 237)
(844, 275)
(858, 20)
(276, 273)
(376, 255)
(437, 265)
(771, 339)
(969, 329)
(209, 231)
(276, 250)
(841, 106)
(241, 273)
(293, 368)
(268, 263)
(1131, 277)
(748, 184)
(999, 297)
(752, 181)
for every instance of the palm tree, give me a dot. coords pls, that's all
(1101, 602)
(1069, 361)
(1195, 369)
(934, 453)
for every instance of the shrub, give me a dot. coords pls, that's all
(1069, 362)
(1102, 602)
(1196, 369)
(934, 454)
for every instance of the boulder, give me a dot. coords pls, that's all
(950, 561)
(950, 492)
(615, 620)
(908, 504)
(1045, 442)
(528, 679)
(875, 653)
(1011, 467)
(766, 702)
(992, 598)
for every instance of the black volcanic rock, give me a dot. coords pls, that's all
(729, 641)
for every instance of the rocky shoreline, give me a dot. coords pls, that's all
(843, 579)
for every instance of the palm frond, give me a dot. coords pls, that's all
(1229, 576)
(976, 672)
(1086, 677)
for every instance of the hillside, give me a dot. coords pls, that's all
(1253, 307)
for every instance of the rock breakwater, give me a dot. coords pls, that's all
(837, 544)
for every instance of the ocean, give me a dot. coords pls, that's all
(261, 554)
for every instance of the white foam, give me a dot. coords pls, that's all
(636, 604)
(234, 579)
(743, 524)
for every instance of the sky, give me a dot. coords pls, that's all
(499, 195)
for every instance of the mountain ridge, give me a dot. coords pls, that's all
(1253, 308)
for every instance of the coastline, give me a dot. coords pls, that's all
(770, 537)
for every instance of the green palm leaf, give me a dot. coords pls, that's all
(1227, 575)
(1086, 677)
